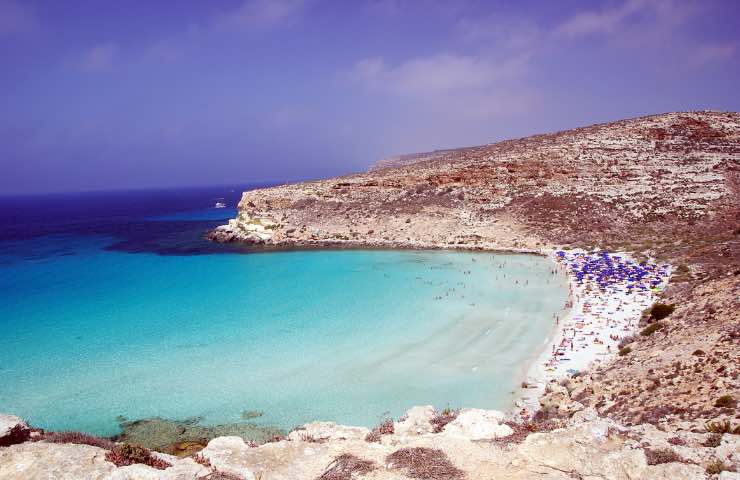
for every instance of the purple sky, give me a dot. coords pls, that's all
(119, 94)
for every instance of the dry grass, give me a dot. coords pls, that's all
(714, 440)
(384, 428)
(128, 454)
(347, 466)
(662, 455)
(200, 459)
(78, 438)
(424, 463)
(440, 421)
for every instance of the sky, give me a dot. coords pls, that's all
(114, 94)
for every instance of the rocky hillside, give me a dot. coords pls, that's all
(636, 184)
(665, 186)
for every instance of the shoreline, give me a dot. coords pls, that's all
(598, 320)
(616, 313)
(596, 345)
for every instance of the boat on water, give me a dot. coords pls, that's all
(219, 205)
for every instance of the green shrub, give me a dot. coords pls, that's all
(652, 328)
(716, 467)
(661, 310)
(725, 401)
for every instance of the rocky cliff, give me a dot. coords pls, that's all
(658, 184)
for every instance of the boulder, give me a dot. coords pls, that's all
(229, 455)
(38, 460)
(591, 449)
(477, 424)
(416, 421)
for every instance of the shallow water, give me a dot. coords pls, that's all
(92, 332)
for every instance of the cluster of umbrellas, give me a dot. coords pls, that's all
(608, 270)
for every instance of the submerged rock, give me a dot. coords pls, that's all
(184, 437)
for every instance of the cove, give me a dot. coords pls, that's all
(92, 334)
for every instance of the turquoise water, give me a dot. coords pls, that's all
(92, 331)
(337, 335)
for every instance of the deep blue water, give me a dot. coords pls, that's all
(114, 304)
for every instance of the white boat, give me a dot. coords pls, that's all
(220, 205)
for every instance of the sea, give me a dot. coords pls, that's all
(114, 305)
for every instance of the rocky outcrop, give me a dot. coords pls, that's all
(477, 424)
(245, 229)
(619, 185)
(587, 446)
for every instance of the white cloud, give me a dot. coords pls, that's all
(435, 74)
(656, 14)
(262, 14)
(99, 58)
(451, 88)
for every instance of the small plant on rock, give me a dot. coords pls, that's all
(440, 421)
(659, 311)
(128, 454)
(652, 328)
(725, 401)
(716, 467)
(384, 428)
(346, 467)
(723, 426)
(200, 459)
(713, 440)
(624, 351)
(78, 438)
(661, 455)
(424, 463)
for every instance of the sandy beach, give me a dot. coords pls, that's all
(601, 313)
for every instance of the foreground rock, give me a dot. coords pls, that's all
(13, 430)
(587, 446)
